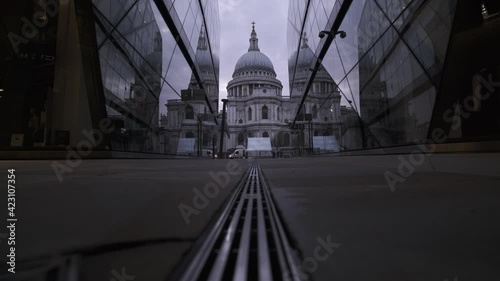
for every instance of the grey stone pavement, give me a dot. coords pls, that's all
(132, 205)
(442, 222)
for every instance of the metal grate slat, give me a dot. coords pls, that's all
(265, 272)
(248, 242)
(241, 270)
(220, 263)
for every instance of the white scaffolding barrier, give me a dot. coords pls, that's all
(260, 147)
(186, 146)
(326, 143)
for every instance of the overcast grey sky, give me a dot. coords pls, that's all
(236, 17)
(271, 17)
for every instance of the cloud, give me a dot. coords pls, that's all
(228, 6)
(271, 25)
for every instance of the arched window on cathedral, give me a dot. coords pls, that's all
(189, 135)
(265, 135)
(249, 113)
(265, 113)
(278, 113)
(314, 111)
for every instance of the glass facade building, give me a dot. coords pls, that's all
(98, 74)
(409, 72)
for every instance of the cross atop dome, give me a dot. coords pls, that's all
(254, 41)
(202, 40)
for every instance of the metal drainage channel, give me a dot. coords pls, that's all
(248, 241)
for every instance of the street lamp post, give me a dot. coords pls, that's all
(214, 137)
(223, 126)
(213, 146)
(200, 136)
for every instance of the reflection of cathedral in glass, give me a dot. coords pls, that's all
(106, 62)
(405, 68)
(131, 63)
(394, 70)
(188, 127)
(204, 60)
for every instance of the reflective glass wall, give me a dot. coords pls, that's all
(126, 75)
(130, 50)
(394, 65)
(190, 98)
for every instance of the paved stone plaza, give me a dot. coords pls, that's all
(440, 223)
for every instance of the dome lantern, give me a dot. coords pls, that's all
(254, 41)
(203, 56)
(254, 60)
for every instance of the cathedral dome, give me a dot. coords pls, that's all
(203, 56)
(305, 57)
(254, 60)
(204, 59)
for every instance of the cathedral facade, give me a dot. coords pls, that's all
(257, 107)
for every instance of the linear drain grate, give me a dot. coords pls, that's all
(247, 242)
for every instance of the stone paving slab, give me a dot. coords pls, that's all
(442, 222)
(114, 202)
